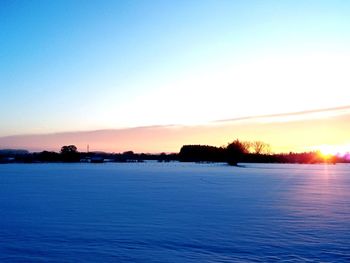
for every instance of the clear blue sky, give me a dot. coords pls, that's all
(86, 65)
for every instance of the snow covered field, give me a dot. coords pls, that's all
(174, 212)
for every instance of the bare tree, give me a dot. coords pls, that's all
(260, 147)
(247, 146)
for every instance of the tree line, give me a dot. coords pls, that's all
(70, 154)
(251, 152)
(233, 153)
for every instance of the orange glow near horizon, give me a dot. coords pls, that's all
(329, 135)
(333, 150)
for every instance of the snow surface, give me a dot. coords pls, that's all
(174, 212)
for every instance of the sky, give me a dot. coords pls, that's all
(303, 131)
(82, 66)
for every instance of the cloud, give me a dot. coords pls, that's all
(298, 131)
(293, 116)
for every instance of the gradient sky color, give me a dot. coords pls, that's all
(90, 65)
(302, 131)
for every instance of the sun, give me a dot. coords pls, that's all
(333, 150)
(327, 150)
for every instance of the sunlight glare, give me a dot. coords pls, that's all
(333, 150)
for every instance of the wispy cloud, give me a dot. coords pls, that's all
(292, 116)
(296, 131)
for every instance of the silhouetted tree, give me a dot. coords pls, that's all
(129, 156)
(247, 146)
(69, 149)
(46, 156)
(201, 153)
(162, 157)
(260, 147)
(70, 153)
(235, 152)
